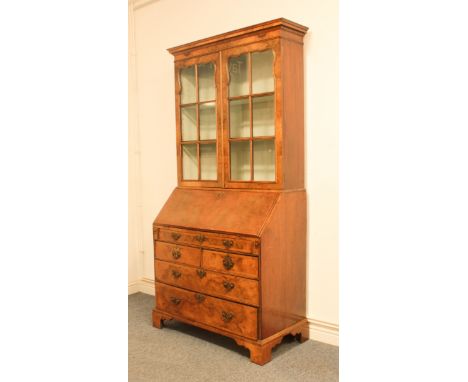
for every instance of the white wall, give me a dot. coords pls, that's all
(158, 25)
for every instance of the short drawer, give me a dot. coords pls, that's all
(177, 253)
(229, 316)
(232, 243)
(240, 265)
(179, 236)
(213, 283)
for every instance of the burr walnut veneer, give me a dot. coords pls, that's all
(230, 242)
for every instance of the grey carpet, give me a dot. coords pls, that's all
(180, 352)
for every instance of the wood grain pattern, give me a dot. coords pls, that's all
(178, 236)
(177, 253)
(213, 283)
(231, 243)
(283, 264)
(229, 316)
(245, 266)
(259, 32)
(216, 210)
(230, 256)
(260, 350)
(292, 114)
(284, 37)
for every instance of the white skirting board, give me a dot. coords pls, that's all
(318, 330)
(324, 332)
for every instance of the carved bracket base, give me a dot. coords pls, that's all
(260, 350)
(159, 318)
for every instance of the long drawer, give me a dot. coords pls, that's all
(213, 283)
(208, 240)
(229, 316)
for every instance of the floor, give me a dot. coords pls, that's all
(180, 352)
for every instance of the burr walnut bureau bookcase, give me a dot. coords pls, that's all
(230, 242)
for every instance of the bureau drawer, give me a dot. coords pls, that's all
(232, 243)
(213, 283)
(177, 253)
(229, 316)
(240, 265)
(179, 236)
(209, 240)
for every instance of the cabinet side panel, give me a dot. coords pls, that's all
(283, 264)
(293, 114)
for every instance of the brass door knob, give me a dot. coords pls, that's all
(227, 316)
(201, 273)
(175, 300)
(176, 253)
(227, 262)
(176, 273)
(228, 243)
(228, 285)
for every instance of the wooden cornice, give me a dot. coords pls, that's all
(280, 23)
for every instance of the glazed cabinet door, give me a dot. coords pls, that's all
(198, 115)
(252, 132)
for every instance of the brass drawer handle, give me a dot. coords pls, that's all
(200, 297)
(200, 238)
(176, 253)
(228, 243)
(228, 285)
(176, 273)
(175, 235)
(201, 273)
(227, 262)
(227, 316)
(175, 300)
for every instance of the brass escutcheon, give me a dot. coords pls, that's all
(227, 316)
(175, 235)
(201, 273)
(228, 285)
(176, 253)
(176, 273)
(227, 262)
(200, 238)
(175, 300)
(228, 243)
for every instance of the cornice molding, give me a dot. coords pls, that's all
(276, 24)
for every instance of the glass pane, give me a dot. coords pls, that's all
(208, 161)
(264, 160)
(208, 121)
(187, 81)
(189, 162)
(262, 72)
(263, 109)
(206, 82)
(238, 75)
(239, 118)
(240, 160)
(189, 123)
